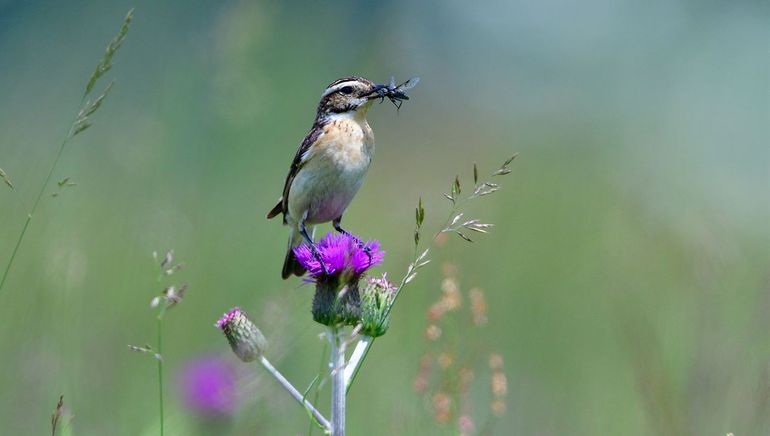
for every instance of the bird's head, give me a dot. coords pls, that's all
(349, 94)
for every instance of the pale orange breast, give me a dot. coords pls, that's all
(347, 142)
(333, 171)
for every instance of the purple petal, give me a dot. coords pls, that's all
(340, 253)
(227, 317)
(361, 261)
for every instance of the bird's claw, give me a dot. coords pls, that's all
(366, 248)
(368, 252)
(361, 245)
(320, 260)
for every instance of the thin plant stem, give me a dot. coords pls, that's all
(322, 421)
(337, 365)
(452, 213)
(160, 371)
(412, 267)
(318, 385)
(37, 200)
(368, 345)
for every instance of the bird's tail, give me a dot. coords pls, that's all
(290, 264)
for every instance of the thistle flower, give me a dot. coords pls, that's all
(345, 260)
(343, 255)
(208, 386)
(244, 337)
(378, 295)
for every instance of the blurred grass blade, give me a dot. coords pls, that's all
(57, 413)
(5, 178)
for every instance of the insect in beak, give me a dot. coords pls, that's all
(394, 93)
(379, 91)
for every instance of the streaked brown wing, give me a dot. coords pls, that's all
(297, 163)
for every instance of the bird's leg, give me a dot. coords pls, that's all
(311, 243)
(338, 227)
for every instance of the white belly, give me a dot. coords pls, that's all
(324, 193)
(325, 186)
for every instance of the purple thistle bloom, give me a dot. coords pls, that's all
(227, 317)
(341, 254)
(208, 387)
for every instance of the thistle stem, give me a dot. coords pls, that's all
(160, 372)
(337, 365)
(294, 393)
(356, 359)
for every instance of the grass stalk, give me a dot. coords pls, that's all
(160, 371)
(419, 260)
(40, 193)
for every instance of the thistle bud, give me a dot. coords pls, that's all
(244, 337)
(333, 305)
(376, 300)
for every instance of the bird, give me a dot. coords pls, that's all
(330, 164)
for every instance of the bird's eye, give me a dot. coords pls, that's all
(347, 90)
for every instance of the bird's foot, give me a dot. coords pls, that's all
(319, 258)
(361, 245)
(364, 247)
(368, 252)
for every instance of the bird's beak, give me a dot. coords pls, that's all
(379, 91)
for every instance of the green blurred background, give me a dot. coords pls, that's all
(627, 275)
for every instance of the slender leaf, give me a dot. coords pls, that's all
(462, 235)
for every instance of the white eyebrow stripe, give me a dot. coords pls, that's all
(337, 87)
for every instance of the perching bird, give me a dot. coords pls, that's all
(331, 162)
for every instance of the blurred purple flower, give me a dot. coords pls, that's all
(341, 254)
(207, 386)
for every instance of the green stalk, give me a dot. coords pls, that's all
(37, 201)
(160, 371)
(160, 316)
(321, 367)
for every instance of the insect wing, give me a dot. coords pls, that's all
(409, 84)
(392, 83)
